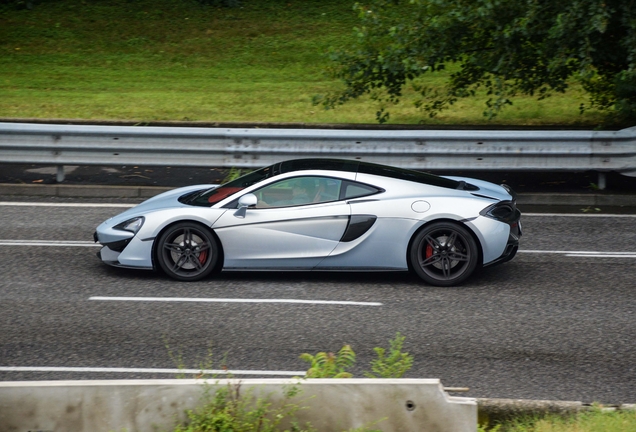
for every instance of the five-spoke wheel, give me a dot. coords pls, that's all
(444, 254)
(187, 251)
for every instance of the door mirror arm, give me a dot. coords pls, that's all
(247, 200)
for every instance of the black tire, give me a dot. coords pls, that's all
(187, 251)
(444, 254)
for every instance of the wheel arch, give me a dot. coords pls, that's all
(480, 248)
(219, 263)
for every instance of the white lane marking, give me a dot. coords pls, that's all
(65, 243)
(148, 370)
(597, 215)
(235, 300)
(39, 204)
(584, 254)
(605, 255)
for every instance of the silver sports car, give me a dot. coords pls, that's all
(320, 214)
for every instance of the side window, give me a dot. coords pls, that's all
(357, 190)
(298, 191)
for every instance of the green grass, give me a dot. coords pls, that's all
(179, 60)
(591, 421)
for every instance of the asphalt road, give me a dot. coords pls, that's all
(548, 325)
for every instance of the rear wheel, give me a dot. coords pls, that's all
(187, 251)
(444, 254)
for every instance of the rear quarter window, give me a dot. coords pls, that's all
(357, 190)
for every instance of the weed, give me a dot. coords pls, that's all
(230, 409)
(204, 366)
(393, 365)
(590, 209)
(233, 174)
(595, 420)
(330, 365)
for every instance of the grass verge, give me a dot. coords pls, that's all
(595, 420)
(181, 60)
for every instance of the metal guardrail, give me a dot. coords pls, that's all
(436, 150)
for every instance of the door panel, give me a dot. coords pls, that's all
(297, 237)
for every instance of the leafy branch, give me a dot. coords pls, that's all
(391, 363)
(330, 365)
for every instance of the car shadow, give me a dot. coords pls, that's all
(501, 274)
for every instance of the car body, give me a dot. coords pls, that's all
(320, 214)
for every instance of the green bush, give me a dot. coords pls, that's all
(330, 365)
(393, 365)
(230, 409)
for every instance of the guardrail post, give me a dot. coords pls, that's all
(601, 181)
(60, 173)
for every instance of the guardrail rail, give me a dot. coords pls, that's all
(435, 150)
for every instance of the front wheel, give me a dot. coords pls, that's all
(187, 251)
(444, 254)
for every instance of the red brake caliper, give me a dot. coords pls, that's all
(429, 251)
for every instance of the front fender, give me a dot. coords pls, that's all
(156, 221)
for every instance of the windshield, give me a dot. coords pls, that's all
(212, 196)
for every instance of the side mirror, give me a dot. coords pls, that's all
(247, 200)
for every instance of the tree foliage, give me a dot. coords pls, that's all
(503, 47)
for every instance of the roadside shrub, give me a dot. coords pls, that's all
(391, 364)
(230, 409)
(330, 365)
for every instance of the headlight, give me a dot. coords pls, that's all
(132, 225)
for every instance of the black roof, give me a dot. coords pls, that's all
(357, 166)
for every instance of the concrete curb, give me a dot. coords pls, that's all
(150, 405)
(595, 200)
(101, 191)
(81, 191)
(143, 404)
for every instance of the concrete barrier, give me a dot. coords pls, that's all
(150, 405)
